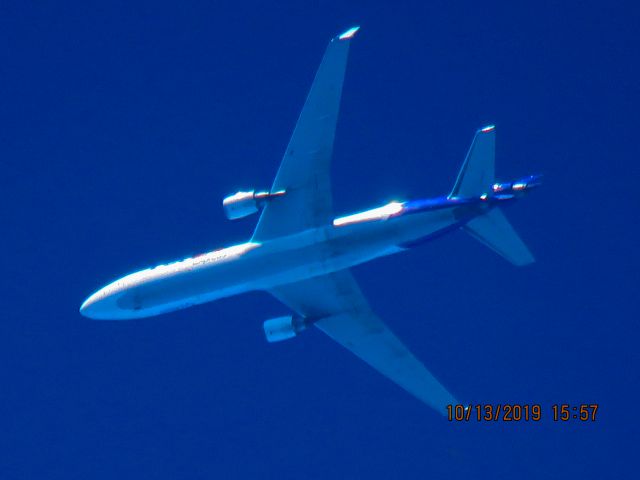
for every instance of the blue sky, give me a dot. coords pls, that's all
(124, 124)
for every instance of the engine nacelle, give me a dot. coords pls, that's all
(284, 328)
(243, 204)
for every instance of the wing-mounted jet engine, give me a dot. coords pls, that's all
(242, 204)
(284, 328)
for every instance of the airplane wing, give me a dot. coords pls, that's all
(304, 171)
(347, 318)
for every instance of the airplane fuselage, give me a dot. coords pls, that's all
(347, 241)
(301, 255)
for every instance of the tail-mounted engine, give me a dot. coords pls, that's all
(284, 328)
(242, 204)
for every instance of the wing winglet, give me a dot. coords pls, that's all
(346, 35)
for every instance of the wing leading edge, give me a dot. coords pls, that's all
(305, 167)
(347, 318)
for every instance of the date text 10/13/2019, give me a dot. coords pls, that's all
(514, 412)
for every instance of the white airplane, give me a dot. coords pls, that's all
(301, 254)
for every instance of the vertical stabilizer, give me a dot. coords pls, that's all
(494, 230)
(477, 172)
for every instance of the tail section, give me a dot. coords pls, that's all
(478, 170)
(494, 230)
(477, 180)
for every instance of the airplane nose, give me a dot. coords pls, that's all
(90, 306)
(106, 304)
(83, 308)
(102, 305)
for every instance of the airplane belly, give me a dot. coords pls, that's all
(255, 266)
(255, 271)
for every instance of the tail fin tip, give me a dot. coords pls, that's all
(478, 170)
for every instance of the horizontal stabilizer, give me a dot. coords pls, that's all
(494, 230)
